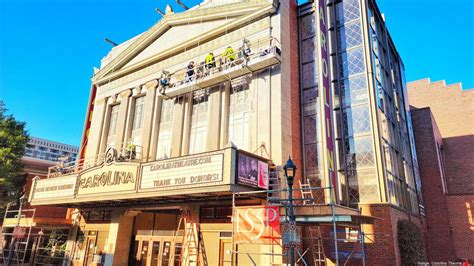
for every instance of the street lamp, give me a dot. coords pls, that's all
(290, 171)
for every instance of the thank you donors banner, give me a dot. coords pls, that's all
(183, 172)
(57, 187)
(108, 179)
(256, 224)
(252, 172)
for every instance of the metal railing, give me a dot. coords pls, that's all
(111, 155)
(253, 52)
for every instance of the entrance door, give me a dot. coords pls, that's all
(90, 250)
(155, 251)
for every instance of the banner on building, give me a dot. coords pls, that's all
(190, 171)
(252, 172)
(327, 129)
(256, 224)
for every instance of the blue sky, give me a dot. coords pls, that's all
(48, 49)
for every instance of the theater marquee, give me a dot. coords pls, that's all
(190, 171)
(58, 187)
(108, 179)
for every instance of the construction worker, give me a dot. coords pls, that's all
(246, 50)
(131, 151)
(210, 61)
(190, 71)
(164, 81)
(229, 54)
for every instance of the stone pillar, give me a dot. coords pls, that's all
(119, 240)
(214, 119)
(180, 126)
(224, 137)
(105, 124)
(97, 120)
(122, 119)
(155, 129)
(150, 88)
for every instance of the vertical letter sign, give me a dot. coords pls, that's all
(325, 93)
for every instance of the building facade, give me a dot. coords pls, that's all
(178, 140)
(40, 231)
(442, 117)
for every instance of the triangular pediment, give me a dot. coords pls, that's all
(177, 30)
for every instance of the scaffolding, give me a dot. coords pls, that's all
(25, 243)
(327, 237)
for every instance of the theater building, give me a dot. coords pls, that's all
(182, 151)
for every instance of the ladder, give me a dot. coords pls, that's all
(190, 241)
(306, 193)
(274, 186)
(317, 246)
(2, 251)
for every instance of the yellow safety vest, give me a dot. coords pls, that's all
(229, 53)
(209, 59)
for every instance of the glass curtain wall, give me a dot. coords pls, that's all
(392, 115)
(310, 102)
(354, 138)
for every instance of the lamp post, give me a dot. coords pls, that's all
(290, 170)
(14, 240)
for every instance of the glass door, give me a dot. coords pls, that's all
(90, 250)
(155, 253)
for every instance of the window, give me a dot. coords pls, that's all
(164, 136)
(239, 109)
(112, 126)
(137, 123)
(199, 111)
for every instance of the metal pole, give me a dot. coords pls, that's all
(292, 221)
(333, 210)
(14, 240)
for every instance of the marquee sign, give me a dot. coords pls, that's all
(190, 171)
(108, 179)
(58, 187)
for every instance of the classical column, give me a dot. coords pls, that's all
(150, 89)
(155, 129)
(106, 124)
(122, 118)
(214, 119)
(97, 117)
(179, 121)
(119, 238)
(225, 99)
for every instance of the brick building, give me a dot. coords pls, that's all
(443, 121)
(37, 223)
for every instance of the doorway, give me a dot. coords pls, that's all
(157, 251)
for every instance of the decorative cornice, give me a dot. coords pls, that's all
(199, 15)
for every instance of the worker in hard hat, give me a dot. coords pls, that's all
(229, 54)
(210, 62)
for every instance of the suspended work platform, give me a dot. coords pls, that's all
(259, 55)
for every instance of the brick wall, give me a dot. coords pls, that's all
(381, 242)
(439, 241)
(453, 110)
(461, 216)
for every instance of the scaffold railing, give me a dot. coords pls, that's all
(325, 240)
(124, 154)
(253, 55)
